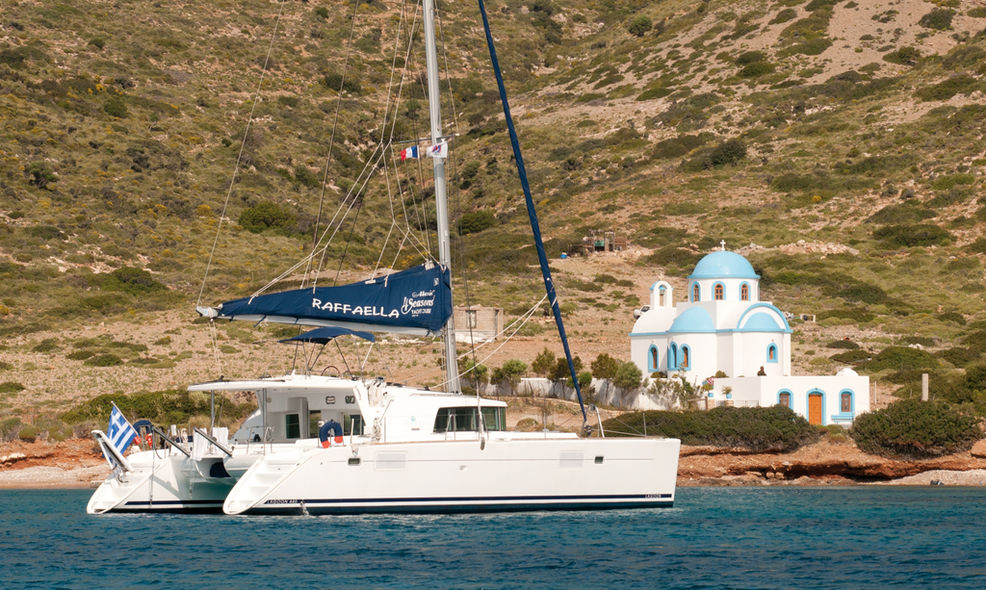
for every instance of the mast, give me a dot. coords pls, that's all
(441, 198)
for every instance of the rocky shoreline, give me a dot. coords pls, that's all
(76, 463)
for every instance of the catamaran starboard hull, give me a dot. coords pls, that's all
(459, 476)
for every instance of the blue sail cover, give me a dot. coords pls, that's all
(413, 301)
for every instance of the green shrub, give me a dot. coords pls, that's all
(628, 376)
(756, 69)
(28, 433)
(771, 429)
(960, 357)
(846, 344)
(851, 357)
(946, 89)
(909, 236)
(134, 281)
(727, 152)
(11, 387)
(115, 107)
(913, 429)
(605, 366)
(106, 359)
(46, 345)
(9, 427)
(750, 57)
(161, 407)
(476, 221)
(334, 80)
(907, 212)
(40, 175)
(639, 26)
(939, 19)
(948, 181)
(901, 357)
(952, 316)
(905, 56)
(678, 146)
(266, 215)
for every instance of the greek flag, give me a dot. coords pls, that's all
(120, 432)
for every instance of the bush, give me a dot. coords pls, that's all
(756, 69)
(134, 281)
(40, 175)
(28, 433)
(266, 215)
(910, 236)
(628, 376)
(115, 107)
(913, 429)
(639, 26)
(946, 89)
(905, 56)
(901, 357)
(773, 429)
(107, 359)
(939, 19)
(161, 407)
(544, 364)
(11, 387)
(677, 146)
(476, 221)
(9, 428)
(605, 366)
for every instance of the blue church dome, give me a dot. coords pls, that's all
(724, 264)
(691, 321)
(761, 322)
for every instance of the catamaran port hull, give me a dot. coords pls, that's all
(160, 481)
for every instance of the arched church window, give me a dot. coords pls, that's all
(744, 292)
(772, 353)
(684, 358)
(672, 357)
(660, 296)
(696, 292)
(652, 365)
(784, 398)
(720, 294)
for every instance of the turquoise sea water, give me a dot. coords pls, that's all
(861, 537)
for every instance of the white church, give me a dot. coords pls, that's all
(724, 326)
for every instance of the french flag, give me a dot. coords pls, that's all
(409, 153)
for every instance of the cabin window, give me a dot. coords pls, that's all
(292, 426)
(314, 416)
(720, 292)
(464, 419)
(744, 292)
(696, 291)
(352, 424)
(495, 418)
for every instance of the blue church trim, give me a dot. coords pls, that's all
(780, 315)
(653, 359)
(772, 358)
(790, 397)
(846, 416)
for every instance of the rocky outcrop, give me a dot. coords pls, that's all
(824, 462)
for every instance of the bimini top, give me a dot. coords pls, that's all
(325, 335)
(724, 265)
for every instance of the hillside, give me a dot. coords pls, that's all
(836, 144)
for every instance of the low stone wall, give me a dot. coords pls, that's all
(603, 393)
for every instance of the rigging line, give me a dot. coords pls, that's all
(332, 137)
(526, 317)
(531, 212)
(214, 340)
(355, 191)
(239, 155)
(349, 240)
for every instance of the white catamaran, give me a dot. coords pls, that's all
(330, 444)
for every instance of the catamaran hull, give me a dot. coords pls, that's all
(168, 483)
(459, 476)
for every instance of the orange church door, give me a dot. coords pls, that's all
(815, 408)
